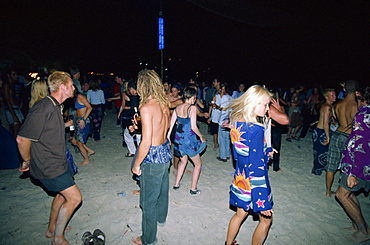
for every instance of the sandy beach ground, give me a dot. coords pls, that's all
(303, 214)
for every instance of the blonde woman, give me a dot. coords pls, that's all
(39, 90)
(250, 189)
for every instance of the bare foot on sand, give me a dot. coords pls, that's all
(136, 240)
(50, 234)
(136, 192)
(59, 241)
(329, 193)
(188, 171)
(83, 163)
(358, 237)
(89, 153)
(351, 229)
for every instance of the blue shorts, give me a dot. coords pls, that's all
(59, 183)
(17, 112)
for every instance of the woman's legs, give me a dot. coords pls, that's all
(263, 227)
(84, 153)
(234, 225)
(89, 150)
(197, 161)
(181, 169)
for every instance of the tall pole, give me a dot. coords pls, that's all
(162, 64)
(161, 36)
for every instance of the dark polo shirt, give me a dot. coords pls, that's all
(44, 126)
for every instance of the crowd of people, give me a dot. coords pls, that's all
(159, 122)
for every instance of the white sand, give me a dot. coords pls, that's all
(303, 214)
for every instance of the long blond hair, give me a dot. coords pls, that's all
(149, 86)
(39, 90)
(244, 106)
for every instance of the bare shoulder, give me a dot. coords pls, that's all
(152, 107)
(325, 107)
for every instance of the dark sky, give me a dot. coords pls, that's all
(273, 42)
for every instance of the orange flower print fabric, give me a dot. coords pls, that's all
(250, 188)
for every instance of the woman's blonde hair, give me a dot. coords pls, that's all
(244, 106)
(39, 90)
(149, 86)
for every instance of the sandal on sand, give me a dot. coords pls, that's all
(233, 243)
(194, 193)
(99, 237)
(176, 187)
(295, 137)
(88, 238)
(289, 139)
(129, 155)
(222, 160)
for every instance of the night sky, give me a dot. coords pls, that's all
(279, 43)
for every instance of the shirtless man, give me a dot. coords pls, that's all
(13, 102)
(321, 135)
(152, 168)
(355, 171)
(345, 112)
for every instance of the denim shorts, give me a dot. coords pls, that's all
(17, 112)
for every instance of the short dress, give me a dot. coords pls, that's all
(186, 141)
(250, 188)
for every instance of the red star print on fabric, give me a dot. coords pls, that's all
(261, 203)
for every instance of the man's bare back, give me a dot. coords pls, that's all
(160, 121)
(345, 111)
(154, 130)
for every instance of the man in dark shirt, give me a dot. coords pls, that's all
(42, 146)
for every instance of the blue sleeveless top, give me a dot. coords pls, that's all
(79, 106)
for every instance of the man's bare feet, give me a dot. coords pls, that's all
(50, 234)
(83, 163)
(136, 192)
(136, 240)
(358, 237)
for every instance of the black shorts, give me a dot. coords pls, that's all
(59, 183)
(213, 128)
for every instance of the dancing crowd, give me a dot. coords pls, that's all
(159, 122)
